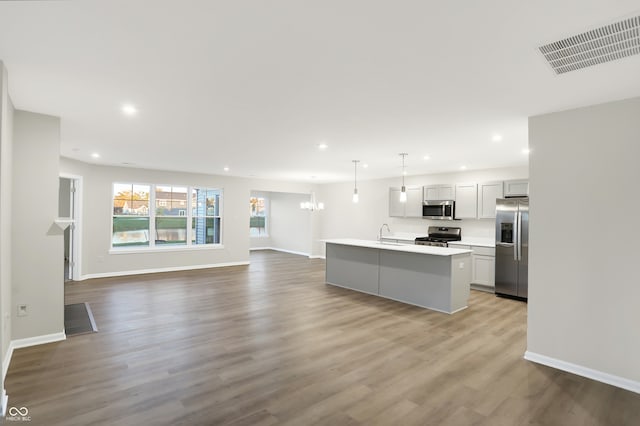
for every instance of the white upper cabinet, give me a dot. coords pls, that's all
(488, 192)
(439, 192)
(466, 200)
(516, 188)
(396, 208)
(411, 208)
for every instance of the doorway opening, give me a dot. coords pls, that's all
(69, 208)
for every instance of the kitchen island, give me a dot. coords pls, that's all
(436, 278)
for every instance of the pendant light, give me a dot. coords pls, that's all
(403, 191)
(355, 180)
(312, 204)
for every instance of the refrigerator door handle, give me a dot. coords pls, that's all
(519, 236)
(516, 234)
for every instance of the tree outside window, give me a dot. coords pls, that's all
(257, 217)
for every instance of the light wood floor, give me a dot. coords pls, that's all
(272, 344)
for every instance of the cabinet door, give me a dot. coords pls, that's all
(459, 246)
(396, 208)
(516, 188)
(431, 192)
(446, 192)
(439, 192)
(488, 192)
(483, 270)
(413, 206)
(466, 200)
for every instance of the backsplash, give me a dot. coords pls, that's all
(477, 228)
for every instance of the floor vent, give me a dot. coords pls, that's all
(604, 44)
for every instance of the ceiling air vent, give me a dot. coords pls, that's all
(604, 44)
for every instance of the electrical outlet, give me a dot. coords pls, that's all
(22, 310)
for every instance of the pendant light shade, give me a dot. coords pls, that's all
(355, 198)
(403, 191)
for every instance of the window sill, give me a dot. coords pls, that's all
(156, 249)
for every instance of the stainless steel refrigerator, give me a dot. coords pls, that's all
(512, 247)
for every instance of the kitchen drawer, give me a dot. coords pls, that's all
(484, 251)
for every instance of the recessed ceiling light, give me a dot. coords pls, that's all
(426, 157)
(496, 137)
(129, 109)
(463, 167)
(226, 168)
(95, 155)
(404, 172)
(526, 151)
(322, 146)
(364, 166)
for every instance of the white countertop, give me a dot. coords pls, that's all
(432, 250)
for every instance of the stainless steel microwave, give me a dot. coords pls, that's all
(440, 209)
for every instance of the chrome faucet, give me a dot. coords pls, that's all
(380, 236)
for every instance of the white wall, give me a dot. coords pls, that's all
(342, 218)
(290, 226)
(584, 292)
(37, 244)
(6, 143)
(96, 234)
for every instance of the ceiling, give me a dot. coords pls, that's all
(256, 86)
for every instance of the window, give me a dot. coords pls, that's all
(257, 217)
(171, 226)
(130, 215)
(205, 222)
(166, 224)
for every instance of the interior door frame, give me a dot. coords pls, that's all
(76, 235)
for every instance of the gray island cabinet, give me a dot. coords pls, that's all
(436, 278)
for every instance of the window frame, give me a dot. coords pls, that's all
(152, 246)
(151, 198)
(191, 216)
(266, 216)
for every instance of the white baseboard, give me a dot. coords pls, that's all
(37, 340)
(24, 343)
(156, 270)
(5, 399)
(282, 250)
(6, 361)
(317, 256)
(299, 253)
(580, 370)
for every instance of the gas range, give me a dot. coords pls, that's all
(440, 236)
